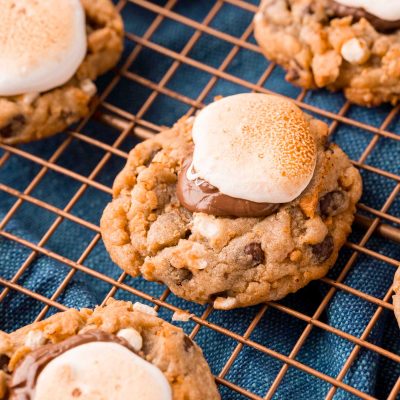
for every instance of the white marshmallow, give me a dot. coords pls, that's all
(101, 370)
(388, 10)
(255, 147)
(34, 339)
(132, 336)
(206, 225)
(42, 44)
(355, 51)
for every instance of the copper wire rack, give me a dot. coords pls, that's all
(125, 124)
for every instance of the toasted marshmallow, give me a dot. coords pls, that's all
(101, 370)
(388, 10)
(42, 44)
(254, 147)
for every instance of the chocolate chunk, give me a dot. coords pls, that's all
(292, 75)
(67, 115)
(181, 275)
(7, 131)
(76, 392)
(256, 252)
(12, 128)
(331, 203)
(200, 196)
(223, 293)
(4, 360)
(187, 343)
(340, 10)
(322, 251)
(294, 72)
(327, 145)
(306, 10)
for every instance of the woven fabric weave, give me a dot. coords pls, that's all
(252, 369)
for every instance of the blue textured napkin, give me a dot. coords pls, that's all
(252, 369)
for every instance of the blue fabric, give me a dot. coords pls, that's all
(252, 369)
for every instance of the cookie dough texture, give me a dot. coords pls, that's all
(320, 50)
(232, 262)
(35, 116)
(396, 297)
(164, 345)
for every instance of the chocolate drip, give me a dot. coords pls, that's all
(357, 13)
(200, 196)
(24, 378)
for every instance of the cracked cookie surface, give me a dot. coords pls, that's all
(319, 49)
(232, 262)
(33, 116)
(163, 345)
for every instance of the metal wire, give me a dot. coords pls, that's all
(127, 123)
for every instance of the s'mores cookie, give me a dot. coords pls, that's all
(51, 52)
(119, 351)
(349, 45)
(244, 203)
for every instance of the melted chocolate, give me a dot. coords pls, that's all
(200, 196)
(357, 13)
(24, 378)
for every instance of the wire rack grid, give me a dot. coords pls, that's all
(112, 129)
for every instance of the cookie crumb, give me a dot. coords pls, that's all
(144, 308)
(224, 303)
(181, 316)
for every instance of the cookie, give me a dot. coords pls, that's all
(117, 351)
(250, 239)
(396, 297)
(47, 73)
(335, 44)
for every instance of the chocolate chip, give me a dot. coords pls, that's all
(12, 128)
(307, 10)
(292, 75)
(4, 360)
(294, 72)
(67, 115)
(327, 145)
(331, 203)
(76, 392)
(94, 23)
(256, 252)
(180, 275)
(187, 343)
(322, 251)
(223, 293)
(7, 131)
